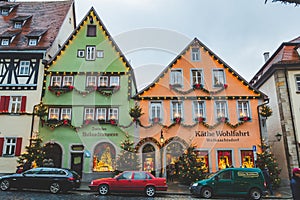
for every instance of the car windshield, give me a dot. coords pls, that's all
(32, 171)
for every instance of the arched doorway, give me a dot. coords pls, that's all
(148, 158)
(173, 151)
(53, 151)
(104, 157)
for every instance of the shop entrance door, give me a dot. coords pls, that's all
(77, 162)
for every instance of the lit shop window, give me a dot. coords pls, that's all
(247, 158)
(224, 159)
(104, 157)
(202, 158)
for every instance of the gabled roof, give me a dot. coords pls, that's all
(285, 56)
(107, 34)
(38, 15)
(197, 42)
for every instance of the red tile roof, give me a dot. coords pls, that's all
(45, 16)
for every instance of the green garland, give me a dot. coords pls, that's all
(198, 87)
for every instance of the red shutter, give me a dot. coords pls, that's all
(18, 147)
(4, 103)
(2, 99)
(23, 104)
(1, 145)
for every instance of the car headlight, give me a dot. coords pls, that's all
(195, 184)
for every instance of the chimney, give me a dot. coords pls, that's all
(266, 56)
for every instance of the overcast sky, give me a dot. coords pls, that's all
(152, 32)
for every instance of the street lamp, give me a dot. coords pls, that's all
(278, 137)
(162, 139)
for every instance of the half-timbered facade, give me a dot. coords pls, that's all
(29, 33)
(199, 100)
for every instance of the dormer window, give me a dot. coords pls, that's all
(4, 11)
(35, 36)
(32, 41)
(4, 42)
(19, 21)
(7, 37)
(18, 25)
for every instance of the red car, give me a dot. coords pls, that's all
(130, 181)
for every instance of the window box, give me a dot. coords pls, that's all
(113, 121)
(110, 88)
(245, 119)
(60, 90)
(200, 119)
(177, 120)
(221, 85)
(52, 121)
(175, 86)
(198, 86)
(156, 120)
(102, 121)
(91, 88)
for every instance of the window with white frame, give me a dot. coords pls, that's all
(195, 54)
(80, 53)
(90, 53)
(4, 11)
(156, 110)
(15, 104)
(297, 79)
(113, 113)
(176, 77)
(24, 68)
(66, 113)
(177, 110)
(199, 110)
(100, 54)
(103, 81)
(53, 113)
(4, 41)
(91, 81)
(89, 114)
(32, 41)
(67, 80)
(114, 81)
(56, 81)
(18, 25)
(197, 76)
(221, 109)
(101, 114)
(243, 109)
(218, 77)
(9, 146)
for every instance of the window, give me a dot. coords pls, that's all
(197, 76)
(56, 81)
(18, 25)
(4, 11)
(91, 81)
(243, 109)
(89, 114)
(195, 54)
(114, 81)
(103, 81)
(297, 77)
(156, 111)
(5, 42)
(100, 54)
(91, 31)
(67, 80)
(218, 77)
(224, 159)
(24, 68)
(176, 77)
(32, 42)
(176, 110)
(90, 52)
(202, 157)
(247, 158)
(101, 114)
(66, 113)
(15, 104)
(113, 113)
(80, 53)
(221, 110)
(199, 109)
(54, 113)
(10, 146)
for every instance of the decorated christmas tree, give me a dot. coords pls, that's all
(266, 159)
(127, 158)
(190, 170)
(34, 155)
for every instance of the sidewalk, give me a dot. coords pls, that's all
(176, 188)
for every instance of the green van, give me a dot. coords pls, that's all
(232, 182)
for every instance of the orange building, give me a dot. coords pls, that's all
(199, 100)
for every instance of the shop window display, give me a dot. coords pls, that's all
(104, 157)
(202, 157)
(247, 158)
(224, 159)
(148, 158)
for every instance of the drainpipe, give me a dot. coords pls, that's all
(294, 129)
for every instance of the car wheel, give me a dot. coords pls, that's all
(150, 191)
(54, 188)
(206, 193)
(103, 189)
(255, 194)
(4, 185)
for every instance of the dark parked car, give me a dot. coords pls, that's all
(53, 179)
(130, 181)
